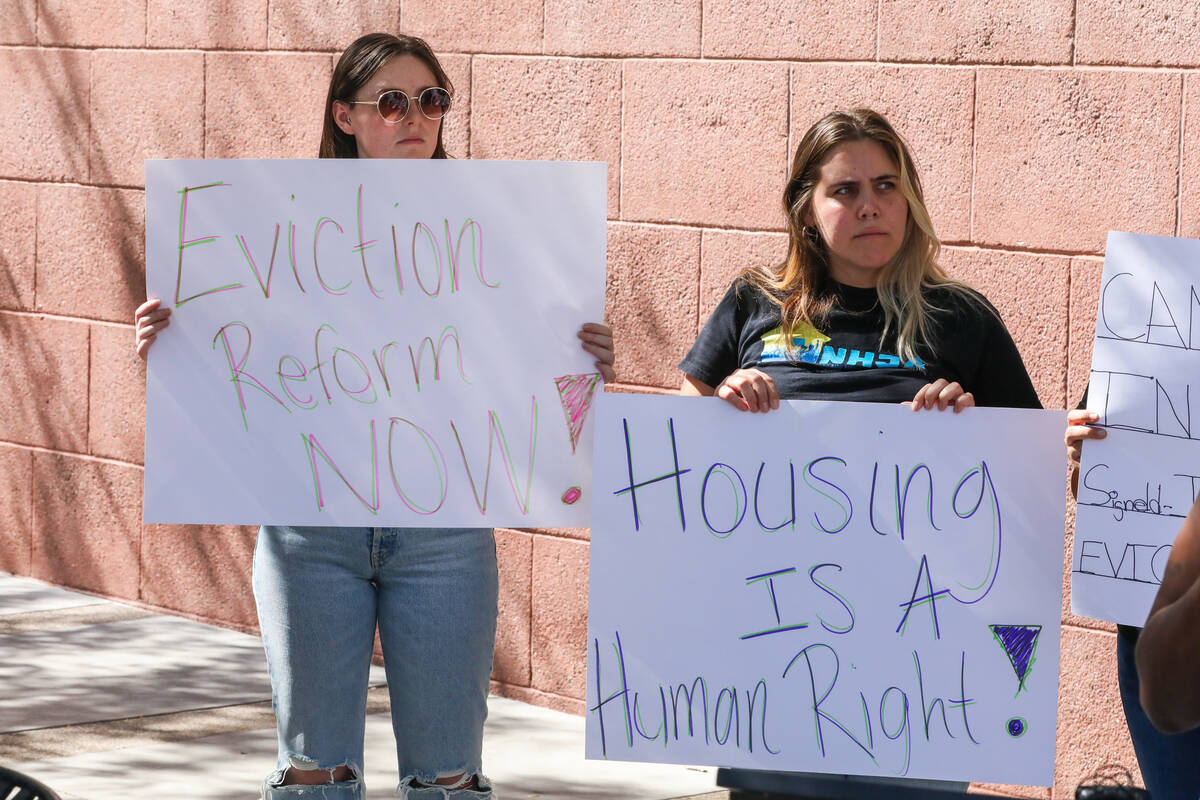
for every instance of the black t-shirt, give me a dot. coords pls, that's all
(846, 360)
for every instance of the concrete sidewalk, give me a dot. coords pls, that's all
(102, 701)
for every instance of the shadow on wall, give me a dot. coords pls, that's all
(86, 530)
(103, 532)
(15, 510)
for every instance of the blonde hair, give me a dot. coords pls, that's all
(802, 287)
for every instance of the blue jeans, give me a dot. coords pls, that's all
(1170, 763)
(433, 593)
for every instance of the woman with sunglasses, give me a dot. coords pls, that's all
(858, 310)
(320, 591)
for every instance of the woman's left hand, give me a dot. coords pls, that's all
(597, 339)
(941, 394)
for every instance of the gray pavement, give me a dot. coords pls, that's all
(102, 701)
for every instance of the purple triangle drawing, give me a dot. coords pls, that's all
(1020, 644)
(575, 392)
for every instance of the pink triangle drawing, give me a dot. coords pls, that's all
(575, 392)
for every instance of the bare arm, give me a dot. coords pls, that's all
(695, 388)
(1168, 650)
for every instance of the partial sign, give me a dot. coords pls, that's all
(1137, 485)
(372, 342)
(831, 587)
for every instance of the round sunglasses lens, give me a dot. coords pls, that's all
(435, 102)
(393, 106)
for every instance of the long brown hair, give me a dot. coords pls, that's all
(358, 64)
(802, 286)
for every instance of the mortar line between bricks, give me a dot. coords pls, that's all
(71, 183)
(471, 107)
(87, 414)
(1074, 29)
(1031, 251)
(791, 89)
(878, 26)
(621, 151)
(699, 281)
(499, 687)
(974, 152)
(91, 81)
(32, 506)
(1183, 83)
(529, 633)
(957, 243)
(1077, 626)
(34, 448)
(17, 312)
(203, 106)
(1066, 370)
(37, 196)
(911, 63)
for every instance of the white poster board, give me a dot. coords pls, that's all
(372, 342)
(774, 594)
(1137, 485)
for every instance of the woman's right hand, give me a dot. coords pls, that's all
(749, 390)
(148, 320)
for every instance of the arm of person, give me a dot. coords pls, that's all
(745, 390)
(1168, 649)
(148, 321)
(596, 338)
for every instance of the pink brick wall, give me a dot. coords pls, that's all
(1038, 124)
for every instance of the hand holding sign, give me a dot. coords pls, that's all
(831, 587)
(342, 353)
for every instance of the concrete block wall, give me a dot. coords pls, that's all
(1038, 126)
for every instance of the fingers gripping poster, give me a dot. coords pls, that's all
(831, 587)
(1137, 485)
(382, 342)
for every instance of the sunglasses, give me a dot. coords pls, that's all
(394, 105)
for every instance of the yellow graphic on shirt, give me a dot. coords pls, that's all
(807, 342)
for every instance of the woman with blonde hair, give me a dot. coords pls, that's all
(859, 310)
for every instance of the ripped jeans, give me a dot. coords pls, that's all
(433, 592)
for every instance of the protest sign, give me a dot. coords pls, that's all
(1137, 485)
(372, 342)
(832, 587)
